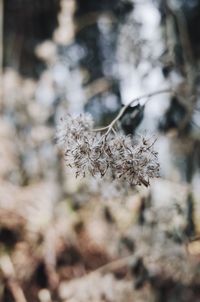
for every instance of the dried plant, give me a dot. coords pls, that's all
(103, 151)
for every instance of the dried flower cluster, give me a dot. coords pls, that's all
(97, 153)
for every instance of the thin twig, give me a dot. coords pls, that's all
(16, 291)
(112, 266)
(8, 271)
(122, 111)
(101, 129)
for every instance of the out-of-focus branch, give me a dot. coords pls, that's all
(8, 271)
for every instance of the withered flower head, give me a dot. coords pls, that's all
(86, 151)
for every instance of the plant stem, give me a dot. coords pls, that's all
(121, 112)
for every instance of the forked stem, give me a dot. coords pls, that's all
(122, 111)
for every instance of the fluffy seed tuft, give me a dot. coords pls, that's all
(89, 152)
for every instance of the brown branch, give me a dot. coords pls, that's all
(122, 111)
(8, 271)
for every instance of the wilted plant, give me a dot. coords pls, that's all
(104, 151)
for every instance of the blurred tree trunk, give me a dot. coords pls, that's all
(182, 27)
(26, 24)
(1, 52)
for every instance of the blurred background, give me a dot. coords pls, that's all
(67, 239)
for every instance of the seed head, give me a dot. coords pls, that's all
(89, 152)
